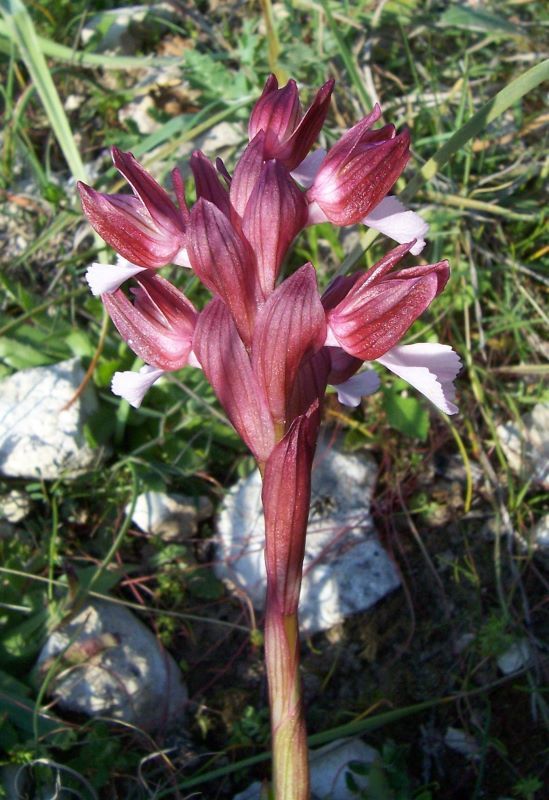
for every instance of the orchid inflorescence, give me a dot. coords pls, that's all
(271, 347)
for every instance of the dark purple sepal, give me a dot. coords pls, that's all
(225, 263)
(226, 364)
(158, 325)
(208, 185)
(247, 173)
(275, 213)
(289, 328)
(286, 497)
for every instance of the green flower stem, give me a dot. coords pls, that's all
(289, 736)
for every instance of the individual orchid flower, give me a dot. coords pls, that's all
(359, 171)
(289, 134)
(378, 307)
(158, 325)
(389, 217)
(145, 227)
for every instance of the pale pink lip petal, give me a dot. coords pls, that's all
(430, 368)
(181, 259)
(305, 172)
(133, 386)
(107, 278)
(392, 218)
(331, 340)
(350, 392)
(193, 361)
(315, 215)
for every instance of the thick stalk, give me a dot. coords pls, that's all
(289, 737)
(286, 495)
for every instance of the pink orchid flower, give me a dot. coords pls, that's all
(270, 347)
(289, 134)
(145, 227)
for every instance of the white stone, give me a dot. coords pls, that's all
(540, 535)
(14, 506)
(39, 436)
(172, 516)
(123, 27)
(526, 446)
(515, 657)
(328, 769)
(460, 741)
(114, 667)
(345, 569)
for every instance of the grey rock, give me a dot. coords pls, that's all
(517, 656)
(39, 437)
(345, 568)
(114, 667)
(328, 767)
(123, 29)
(540, 535)
(460, 741)
(173, 517)
(526, 446)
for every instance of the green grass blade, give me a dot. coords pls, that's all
(348, 59)
(478, 122)
(60, 52)
(21, 31)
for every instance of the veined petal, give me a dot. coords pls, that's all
(133, 386)
(295, 148)
(306, 172)
(290, 327)
(359, 171)
(208, 185)
(247, 173)
(158, 325)
(124, 223)
(227, 366)
(155, 199)
(107, 278)
(394, 220)
(430, 368)
(376, 321)
(276, 113)
(225, 263)
(274, 215)
(351, 391)
(286, 497)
